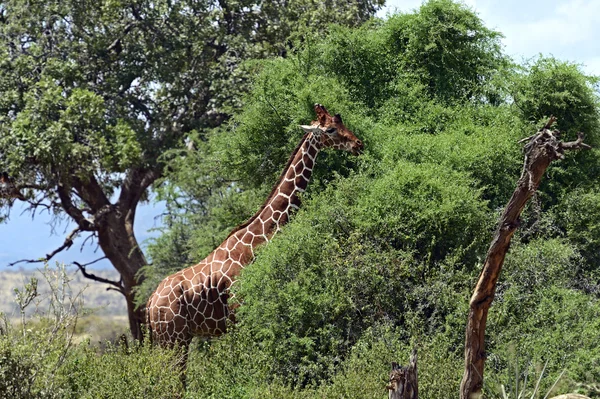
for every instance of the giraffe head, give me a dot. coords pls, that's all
(332, 132)
(8, 190)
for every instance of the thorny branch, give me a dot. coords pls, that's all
(66, 245)
(118, 285)
(91, 236)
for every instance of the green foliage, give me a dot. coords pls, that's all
(580, 216)
(387, 246)
(385, 251)
(560, 326)
(538, 317)
(140, 372)
(111, 85)
(46, 363)
(359, 255)
(226, 178)
(552, 87)
(43, 357)
(450, 49)
(94, 93)
(442, 51)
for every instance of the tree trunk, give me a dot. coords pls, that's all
(403, 380)
(116, 238)
(543, 148)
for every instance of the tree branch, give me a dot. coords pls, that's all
(135, 185)
(91, 192)
(116, 45)
(577, 144)
(92, 235)
(404, 382)
(72, 210)
(39, 187)
(115, 285)
(8, 189)
(66, 245)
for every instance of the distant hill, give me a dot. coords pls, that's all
(95, 296)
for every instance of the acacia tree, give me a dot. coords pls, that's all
(93, 92)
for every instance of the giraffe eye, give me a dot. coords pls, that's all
(330, 130)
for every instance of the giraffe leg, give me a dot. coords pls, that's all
(184, 349)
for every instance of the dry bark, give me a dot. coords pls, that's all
(403, 380)
(542, 148)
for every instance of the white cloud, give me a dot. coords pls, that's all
(567, 30)
(592, 66)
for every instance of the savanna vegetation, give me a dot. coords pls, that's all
(385, 251)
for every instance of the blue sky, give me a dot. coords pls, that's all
(566, 29)
(569, 30)
(24, 237)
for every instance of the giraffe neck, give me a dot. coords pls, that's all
(284, 197)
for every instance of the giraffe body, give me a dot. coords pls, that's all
(194, 301)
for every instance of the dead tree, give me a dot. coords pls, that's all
(403, 380)
(541, 149)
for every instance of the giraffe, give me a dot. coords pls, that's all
(193, 301)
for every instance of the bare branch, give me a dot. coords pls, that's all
(542, 148)
(116, 45)
(66, 245)
(86, 239)
(403, 380)
(118, 285)
(550, 122)
(120, 290)
(33, 205)
(143, 108)
(45, 203)
(8, 189)
(72, 210)
(90, 191)
(39, 187)
(94, 261)
(134, 186)
(577, 144)
(526, 139)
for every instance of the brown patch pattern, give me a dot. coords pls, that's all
(194, 301)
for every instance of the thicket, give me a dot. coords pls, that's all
(92, 93)
(387, 246)
(385, 251)
(44, 356)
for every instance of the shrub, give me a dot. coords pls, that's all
(41, 357)
(365, 250)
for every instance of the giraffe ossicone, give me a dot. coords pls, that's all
(194, 301)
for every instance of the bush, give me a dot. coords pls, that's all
(361, 252)
(580, 218)
(41, 357)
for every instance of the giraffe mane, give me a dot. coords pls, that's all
(273, 190)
